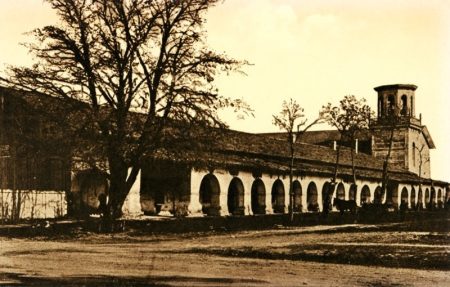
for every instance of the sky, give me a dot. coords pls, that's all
(313, 51)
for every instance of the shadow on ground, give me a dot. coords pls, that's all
(12, 279)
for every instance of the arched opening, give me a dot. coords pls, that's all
(414, 154)
(235, 198)
(420, 199)
(365, 195)
(278, 196)
(327, 191)
(433, 198)
(258, 197)
(340, 191)
(93, 186)
(404, 196)
(404, 110)
(377, 197)
(412, 198)
(427, 198)
(412, 106)
(390, 105)
(352, 192)
(440, 201)
(311, 197)
(210, 195)
(392, 195)
(297, 189)
(380, 106)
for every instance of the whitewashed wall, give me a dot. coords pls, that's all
(34, 204)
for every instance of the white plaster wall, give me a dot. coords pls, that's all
(268, 181)
(195, 207)
(132, 205)
(224, 178)
(35, 204)
(247, 180)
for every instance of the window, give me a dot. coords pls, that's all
(390, 104)
(414, 154)
(404, 110)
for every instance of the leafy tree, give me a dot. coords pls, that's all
(290, 120)
(349, 118)
(139, 66)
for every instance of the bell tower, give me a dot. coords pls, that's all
(411, 140)
(398, 99)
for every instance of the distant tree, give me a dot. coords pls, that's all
(349, 118)
(290, 120)
(422, 160)
(125, 56)
(391, 121)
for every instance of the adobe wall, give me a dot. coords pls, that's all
(33, 204)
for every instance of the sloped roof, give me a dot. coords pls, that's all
(321, 136)
(267, 152)
(261, 152)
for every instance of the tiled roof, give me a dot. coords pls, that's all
(266, 152)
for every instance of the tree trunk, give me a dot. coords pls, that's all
(118, 191)
(291, 189)
(336, 167)
(384, 181)
(352, 153)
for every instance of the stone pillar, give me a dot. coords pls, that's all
(224, 179)
(132, 206)
(247, 181)
(195, 207)
(268, 182)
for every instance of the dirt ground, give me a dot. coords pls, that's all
(349, 255)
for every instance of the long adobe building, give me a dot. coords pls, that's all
(241, 173)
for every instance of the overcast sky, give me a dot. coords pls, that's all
(313, 51)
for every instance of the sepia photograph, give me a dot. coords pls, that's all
(224, 143)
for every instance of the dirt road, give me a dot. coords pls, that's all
(285, 257)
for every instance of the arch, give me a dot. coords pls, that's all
(412, 106)
(365, 195)
(235, 197)
(210, 195)
(432, 198)
(258, 197)
(412, 198)
(380, 106)
(390, 104)
(278, 196)
(297, 189)
(340, 191)
(404, 109)
(440, 202)
(327, 191)
(420, 198)
(404, 195)
(392, 195)
(92, 184)
(352, 192)
(377, 197)
(427, 198)
(311, 197)
(414, 154)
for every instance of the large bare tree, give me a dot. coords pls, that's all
(137, 65)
